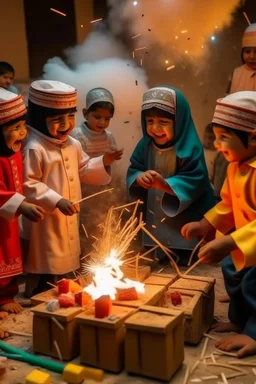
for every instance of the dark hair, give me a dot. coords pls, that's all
(37, 115)
(5, 68)
(156, 112)
(242, 135)
(102, 104)
(14, 121)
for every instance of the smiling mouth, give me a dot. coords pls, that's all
(63, 133)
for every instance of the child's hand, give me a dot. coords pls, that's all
(197, 229)
(146, 179)
(159, 181)
(217, 249)
(66, 207)
(31, 211)
(109, 158)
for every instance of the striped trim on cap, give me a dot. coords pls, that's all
(249, 36)
(237, 111)
(52, 94)
(11, 106)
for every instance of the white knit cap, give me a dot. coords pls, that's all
(249, 36)
(97, 95)
(160, 97)
(11, 106)
(237, 111)
(52, 94)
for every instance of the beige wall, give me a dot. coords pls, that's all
(84, 14)
(13, 37)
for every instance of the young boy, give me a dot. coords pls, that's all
(54, 166)
(7, 77)
(93, 135)
(168, 169)
(13, 131)
(234, 126)
(244, 77)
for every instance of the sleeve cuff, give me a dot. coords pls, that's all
(9, 209)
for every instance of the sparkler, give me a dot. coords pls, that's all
(59, 12)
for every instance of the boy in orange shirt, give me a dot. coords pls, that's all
(234, 126)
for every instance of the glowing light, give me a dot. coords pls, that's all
(82, 26)
(202, 46)
(134, 37)
(184, 31)
(168, 69)
(59, 12)
(166, 61)
(186, 52)
(176, 37)
(213, 38)
(135, 3)
(107, 278)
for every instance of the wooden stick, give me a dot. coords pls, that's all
(247, 18)
(243, 363)
(213, 377)
(235, 375)
(89, 197)
(52, 285)
(137, 267)
(185, 380)
(226, 366)
(224, 379)
(193, 266)
(211, 337)
(194, 251)
(17, 333)
(194, 366)
(84, 257)
(58, 350)
(213, 358)
(127, 205)
(219, 352)
(163, 249)
(85, 232)
(254, 371)
(204, 348)
(58, 323)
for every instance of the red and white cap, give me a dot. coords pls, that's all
(52, 94)
(237, 111)
(249, 36)
(11, 106)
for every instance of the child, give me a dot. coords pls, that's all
(96, 140)
(234, 126)
(93, 135)
(12, 202)
(215, 162)
(168, 169)
(54, 166)
(244, 78)
(7, 77)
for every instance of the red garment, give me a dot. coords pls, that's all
(11, 188)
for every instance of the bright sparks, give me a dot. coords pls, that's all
(59, 12)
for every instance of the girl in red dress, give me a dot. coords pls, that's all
(12, 202)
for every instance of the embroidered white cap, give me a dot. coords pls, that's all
(97, 95)
(12, 106)
(52, 94)
(160, 97)
(237, 111)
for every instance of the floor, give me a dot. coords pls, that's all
(17, 371)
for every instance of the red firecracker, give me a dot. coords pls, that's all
(176, 298)
(103, 307)
(82, 298)
(63, 286)
(66, 300)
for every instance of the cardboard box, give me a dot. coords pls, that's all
(154, 342)
(163, 279)
(192, 306)
(46, 331)
(206, 287)
(102, 340)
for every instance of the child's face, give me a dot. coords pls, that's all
(98, 120)
(6, 80)
(231, 146)
(60, 126)
(14, 134)
(161, 129)
(249, 57)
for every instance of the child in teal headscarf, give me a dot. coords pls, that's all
(168, 170)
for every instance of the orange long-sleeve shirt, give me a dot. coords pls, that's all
(238, 210)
